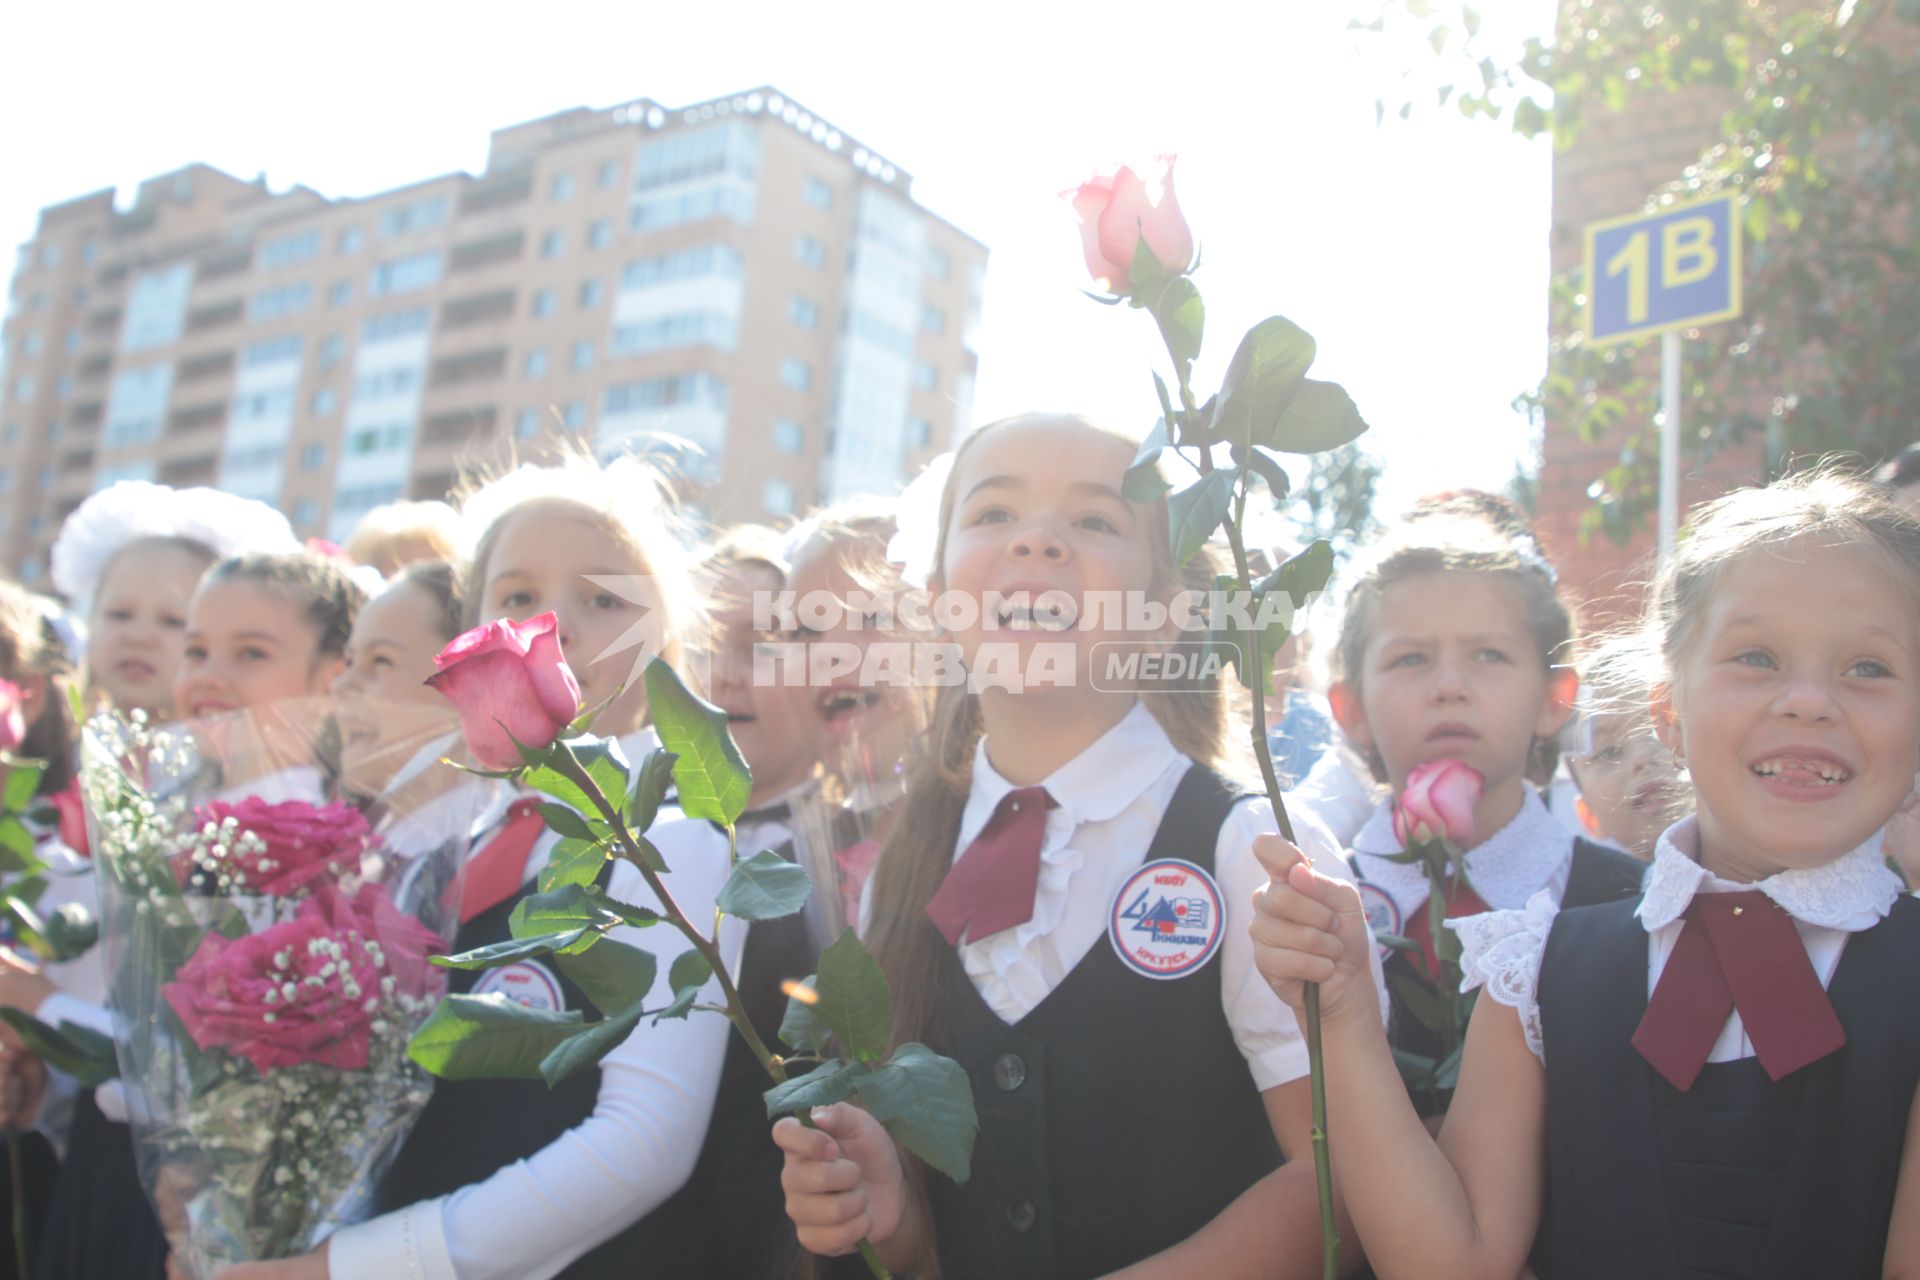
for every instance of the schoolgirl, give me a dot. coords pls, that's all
(1721, 1079)
(1062, 909)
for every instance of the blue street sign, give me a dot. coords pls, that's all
(1672, 269)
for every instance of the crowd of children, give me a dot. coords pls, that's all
(1685, 877)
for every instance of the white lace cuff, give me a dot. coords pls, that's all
(1501, 951)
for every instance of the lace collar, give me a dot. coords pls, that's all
(1853, 892)
(1530, 853)
(1094, 786)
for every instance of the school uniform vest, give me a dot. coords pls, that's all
(1598, 874)
(1117, 1118)
(472, 1128)
(1741, 1176)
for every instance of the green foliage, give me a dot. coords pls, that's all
(612, 974)
(585, 1048)
(712, 777)
(854, 999)
(802, 1029)
(572, 862)
(502, 953)
(1195, 512)
(81, 1052)
(489, 1037)
(650, 787)
(923, 1099)
(1335, 503)
(1264, 376)
(765, 887)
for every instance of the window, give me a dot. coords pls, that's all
(6, 479)
(939, 263)
(340, 294)
(23, 389)
(526, 424)
(609, 175)
(379, 439)
(925, 376)
(803, 311)
(62, 387)
(574, 415)
(399, 324)
(313, 457)
(386, 382)
(156, 308)
(262, 404)
(285, 251)
(50, 256)
(659, 393)
(688, 155)
(789, 436)
(543, 303)
(809, 251)
(553, 244)
(796, 373)
(679, 329)
(919, 433)
(73, 341)
(271, 351)
(599, 234)
(536, 363)
(561, 188)
(720, 199)
(324, 402)
(777, 498)
(590, 291)
(819, 194)
(88, 252)
(305, 512)
(351, 240)
(582, 355)
(696, 263)
(397, 275)
(30, 345)
(422, 215)
(933, 320)
(284, 301)
(332, 347)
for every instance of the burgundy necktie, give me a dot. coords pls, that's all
(1737, 951)
(991, 885)
(495, 873)
(1463, 901)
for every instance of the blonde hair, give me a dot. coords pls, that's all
(393, 536)
(631, 502)
(919, 851)
(1458, 539)
(31, 649)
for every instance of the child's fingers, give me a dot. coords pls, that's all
(1302, 939)
(842, 1120)
(800, 1142)
(1337, 895)
(1277, 854)
(819, 1179)
(1279, 900)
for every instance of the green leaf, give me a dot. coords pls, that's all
(81, 1052)
(764, 887)
(489, 1037)
(1322, 416)
(586, 1048)
(854, 999)
(650, 787)
(687, 976)
(565, 821)
(826, 1084)
(28, 925)
(1396, 942)
(572, 862)
(630, 915)
(1529, 119)
(713, 779)
(568, 907)
(1262, 379)
(644, 854)
(23, 780)
(1416, 1072)
(1182, 318)
(1268, 468)
(1143, 482)
(926, 1103)
(1447, 1074)
(499, 953)
(1146, 271)
(1197, 510)
(16, 845)
(1304, 574)
(1420, 1000)
(71, 931)
(613, 974)
(801, 1028)
(1166, 402)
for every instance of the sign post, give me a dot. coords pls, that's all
(1661, 272)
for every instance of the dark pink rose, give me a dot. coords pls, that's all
(1117, 207)
(73, 819)
(509, 684)
(276, 848)
(13, 722)
(1438, 803)
(314, 989)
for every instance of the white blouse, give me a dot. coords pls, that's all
(1531, 854)
(1503, 950)
(1111, 798)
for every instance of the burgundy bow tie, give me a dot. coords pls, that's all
(1737, 951)
(991, 885)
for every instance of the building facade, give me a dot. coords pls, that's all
(738, 287)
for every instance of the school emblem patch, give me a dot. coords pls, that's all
(526, 982)
(1167, 920)
(1383, 914)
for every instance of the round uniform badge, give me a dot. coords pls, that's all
(1383, 915)
(526, 982)
(1167, 920)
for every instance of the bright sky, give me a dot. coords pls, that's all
(1416, 254)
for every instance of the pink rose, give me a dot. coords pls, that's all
(309, 990)
(1438, 803)
(510, 684)
(292, 844)
(13, 723)
(405, 943)
(1117, 207)
(73, 819)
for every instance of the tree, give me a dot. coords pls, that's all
(1821, 138)
(1336, 502)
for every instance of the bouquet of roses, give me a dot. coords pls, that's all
(268, 943)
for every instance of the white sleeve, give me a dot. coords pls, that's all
(1502, 951)
(1266, 1030)
(534, 1217)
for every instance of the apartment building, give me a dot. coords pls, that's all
(738, 287)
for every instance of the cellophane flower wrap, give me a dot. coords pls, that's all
(267, 936)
